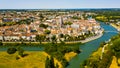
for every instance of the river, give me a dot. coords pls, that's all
(91, 46)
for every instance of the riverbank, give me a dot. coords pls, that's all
(71, 42)
(115, 26)
(91, 38)
(101, 58)
(70, 55)
(104, 55)
(91, 46)
(86, 40)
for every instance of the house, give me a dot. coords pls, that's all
(1, 38)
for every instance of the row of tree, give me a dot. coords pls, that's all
(66, 38)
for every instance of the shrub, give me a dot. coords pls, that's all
(17, 57)
(20, 51)
(11, 50)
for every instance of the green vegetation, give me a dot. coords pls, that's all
(76, 17)
(40, 38)
(34, 59)
(11, 50)
(43, 25)
(108, 16)
(49, 63)
(110, 49)
(58, 51)
(25, 21)
(95, 60)
(47, 31)
(41, 17)
(68, 23)
(20, 51)
(54, 39)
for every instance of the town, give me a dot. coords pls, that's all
(60, 34)
(64, 25)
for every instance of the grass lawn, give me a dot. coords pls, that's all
(34, 59)
(69, 56)
(97, 54)
(114, 63)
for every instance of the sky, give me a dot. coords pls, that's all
(58, 4)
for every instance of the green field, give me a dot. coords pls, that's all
(34, 59)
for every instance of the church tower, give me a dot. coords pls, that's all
(61, 22)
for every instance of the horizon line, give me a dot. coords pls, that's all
(57, 8)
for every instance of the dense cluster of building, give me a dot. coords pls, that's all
(15, 27)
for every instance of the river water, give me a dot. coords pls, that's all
(26, 48)
(91, 46)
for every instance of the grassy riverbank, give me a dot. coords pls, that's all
(101, 58)
(115, 26)
(34, 59)
(70, 55)
(106, 56)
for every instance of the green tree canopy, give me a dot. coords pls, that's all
(47, 31)
(43, 25)
(11, 50)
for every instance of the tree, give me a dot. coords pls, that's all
(62, 42)
(20, 51)
(11, 50)
(66, 36)
(47, 63)
(47, 39)
(1, 43)
(57, 66)
(61, 35)
(26, 21)
(47, 31)
(116, 48)
(53, 38)
(40, 38)
(52, 62)
(64, 63)
(37, 38)
(43, 26)
(68, 23)
(41, 17)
